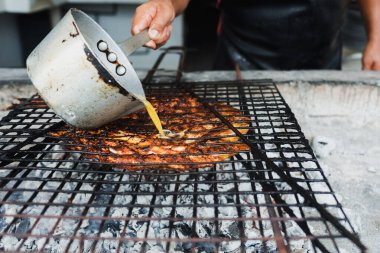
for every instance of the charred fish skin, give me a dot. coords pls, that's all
(133, 144)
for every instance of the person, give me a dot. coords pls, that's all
(271, 34)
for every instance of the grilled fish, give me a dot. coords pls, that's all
(132, 141)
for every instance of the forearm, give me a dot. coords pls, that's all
(179, 5)
(371, 15)
(157, 16)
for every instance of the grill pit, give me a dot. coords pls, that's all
(68, 202)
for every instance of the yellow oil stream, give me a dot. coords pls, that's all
(153, 115)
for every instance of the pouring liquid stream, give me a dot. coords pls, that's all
(162, 133)
(153, 115)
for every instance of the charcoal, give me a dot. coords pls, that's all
(266, 249)
(112, 226)
(184, 247)
(183, 228)
(17, 196)
(231, 246)
(22, 226)
(63, 191)
(205, 247)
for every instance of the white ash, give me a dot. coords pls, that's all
(372, 169)
(323, 146)
(157, 229)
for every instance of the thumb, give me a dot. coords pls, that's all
(154, 32)
(158, 24)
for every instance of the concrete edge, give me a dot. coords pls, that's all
(19, 76)
(14, 76)
(310, 76)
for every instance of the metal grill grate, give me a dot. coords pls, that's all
(55, 199)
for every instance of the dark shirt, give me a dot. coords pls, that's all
(281, 34)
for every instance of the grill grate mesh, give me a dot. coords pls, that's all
(54, 199)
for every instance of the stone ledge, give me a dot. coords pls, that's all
(310, 76)
(19, 76)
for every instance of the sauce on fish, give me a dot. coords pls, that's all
(162, 133)
(154, 116)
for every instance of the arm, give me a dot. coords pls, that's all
(371, 13)
(157, 16)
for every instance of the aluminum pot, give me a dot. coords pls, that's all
(83, 75)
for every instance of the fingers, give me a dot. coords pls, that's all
(165, 35)
(370, 63)
(371, 57)
(151, 44)
(366, 64)
(157, 16)
(376, 66)
(158, 27)
(367, 59)
(162, 41)
(143, 17)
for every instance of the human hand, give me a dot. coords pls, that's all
(371, 56)
(157, 16)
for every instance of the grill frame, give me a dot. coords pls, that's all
(262, 172)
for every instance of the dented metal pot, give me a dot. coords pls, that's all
(83, 75)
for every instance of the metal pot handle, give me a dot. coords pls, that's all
(132, 44)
